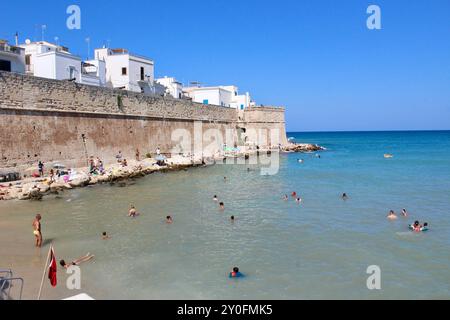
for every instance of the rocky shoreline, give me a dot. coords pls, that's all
(37, 188)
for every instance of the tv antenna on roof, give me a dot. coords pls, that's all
(43, 28)
(88, 41)
(195, 84)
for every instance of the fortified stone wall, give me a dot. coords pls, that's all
(59, 121)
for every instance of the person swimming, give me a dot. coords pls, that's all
(416, 227)
(169, 220)
(285, 197)
(78, 261)
(344, 196)
(232, 218)
(235, 273)
(294, 194)
(105, 236)
(132, 212)
(404, 213)
(222, 206)
(215, 198)
(298, 200)
(391, 215)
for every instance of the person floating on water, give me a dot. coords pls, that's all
(417, 227)
(78, 261)
(344, 196)
(105, 236)
(132, 212)
(391, 215)
(37, 230)
(235, 273)
(222, 206)
(404, 213)
(169, 220)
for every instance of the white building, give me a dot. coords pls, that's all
(225, 96)
(47, 60)
(173, 87)
(12, 58)
(126, 70)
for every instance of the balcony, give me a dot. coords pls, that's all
(4, 47)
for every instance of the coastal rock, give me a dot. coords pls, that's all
(302, 147)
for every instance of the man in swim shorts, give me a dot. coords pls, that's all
(37, 230)
(169, 220)
(222, 206)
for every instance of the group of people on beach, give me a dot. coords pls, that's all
(96, 166)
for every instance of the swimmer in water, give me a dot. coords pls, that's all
(77, 262)
(215, 198)
(169, 220)
(391, 215)
(294, 194)
(416, 226)
(344, 196)
(404, 213)
(235, 273)
(298, 200)
(425, 227)
(232, 219)
(132, 212)
(224, 178)
(222, 206)
(105, 236)
(285, 197)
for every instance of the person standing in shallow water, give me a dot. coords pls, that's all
(41, 168)
(221, 206)
(37, 230)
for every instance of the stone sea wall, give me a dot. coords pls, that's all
(51, 120)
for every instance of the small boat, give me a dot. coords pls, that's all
(388, 155)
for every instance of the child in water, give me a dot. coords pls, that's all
(235, 273)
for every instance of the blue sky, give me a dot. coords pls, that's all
(317, 57)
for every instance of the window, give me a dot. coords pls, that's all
(142, 74)
(124, 71)
(5, 65)
(242, 107)
(205, 101)
(28, 59)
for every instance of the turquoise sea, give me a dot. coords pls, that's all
(319, 249)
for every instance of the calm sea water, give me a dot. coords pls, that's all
(319, 249)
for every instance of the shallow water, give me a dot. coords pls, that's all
(319, 249)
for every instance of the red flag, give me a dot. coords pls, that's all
(52, 268)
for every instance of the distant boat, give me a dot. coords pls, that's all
(388, 155)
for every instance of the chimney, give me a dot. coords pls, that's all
(17, 38)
